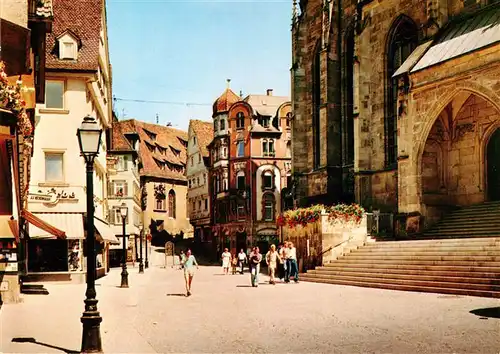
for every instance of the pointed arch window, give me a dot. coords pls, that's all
(316, 104)
(403, 39)
(171, 204)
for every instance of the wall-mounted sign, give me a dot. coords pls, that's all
(52, 196)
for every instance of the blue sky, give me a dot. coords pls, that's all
(183, 51)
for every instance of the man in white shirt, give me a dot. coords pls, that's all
(242, 257)
(291, 263)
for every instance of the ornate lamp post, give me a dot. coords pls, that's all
(89, 139)
(141, 265)
(124, 213)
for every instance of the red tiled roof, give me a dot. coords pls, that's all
(120, 142)
(224, 102)
(165, 136)
(83, 18)
(204, 132)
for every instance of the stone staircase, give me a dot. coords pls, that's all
(458, 255)
(481, 220)
(467, 266)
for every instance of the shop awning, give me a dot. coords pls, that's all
(63, 225)
(105, 232)
(14, 227)
(40, 226)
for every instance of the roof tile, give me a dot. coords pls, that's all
(165, 137)
(204, 132)
(82, 17)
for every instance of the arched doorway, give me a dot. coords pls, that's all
(493, 166)
(457, 157)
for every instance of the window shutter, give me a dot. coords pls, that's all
(125, 189)
(111, 216)
(125, 163)
(111, 189)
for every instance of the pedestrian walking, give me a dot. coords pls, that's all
(226, 261)
(242, 259)
(282, 263)
(234, 264)
(291, 263)
(188, 265)
(272, 259)
(254, 260)
(182, 259)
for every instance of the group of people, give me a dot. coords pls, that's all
(281, 262)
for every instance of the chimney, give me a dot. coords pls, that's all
(269, 92)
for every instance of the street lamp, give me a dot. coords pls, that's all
(146, 263)
(141, 265)
(124, 213)
(89, 139)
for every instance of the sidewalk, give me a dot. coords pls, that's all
(51, 323)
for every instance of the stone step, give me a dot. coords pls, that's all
(405, 256)
(489, 226)
(482, 277)
(458, 248)
(414, 282)
(429, 262)
(430, 289)
(457, 232)
(361, 252)
(483, 241)
(415, 267)
(472, 222)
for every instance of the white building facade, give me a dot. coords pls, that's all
(199, 136)
(78, 84)
(124, 188)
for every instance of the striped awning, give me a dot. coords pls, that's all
(56, 225)
(105, 232)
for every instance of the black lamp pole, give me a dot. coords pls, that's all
(141, 265)
(124, 283)
(146, 264)
(89, 134)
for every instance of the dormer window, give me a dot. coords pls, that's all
(68, 46)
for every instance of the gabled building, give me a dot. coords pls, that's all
(23, 28)
(124, 187)
(200, 135)
(78, 83)
(250, 166)
(162, 153)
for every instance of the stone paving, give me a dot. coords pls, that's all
(225, 314)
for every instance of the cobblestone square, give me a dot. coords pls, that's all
(225, 314)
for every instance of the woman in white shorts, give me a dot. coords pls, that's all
(189, 263)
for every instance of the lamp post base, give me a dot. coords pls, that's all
(124, 283)
(91, 320)
(141, 267)
(146, 265)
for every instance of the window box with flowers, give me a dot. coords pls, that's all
(11, 100)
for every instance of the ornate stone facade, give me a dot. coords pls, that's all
(389, 109)
(250, 165)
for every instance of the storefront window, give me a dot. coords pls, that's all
(48, 256)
